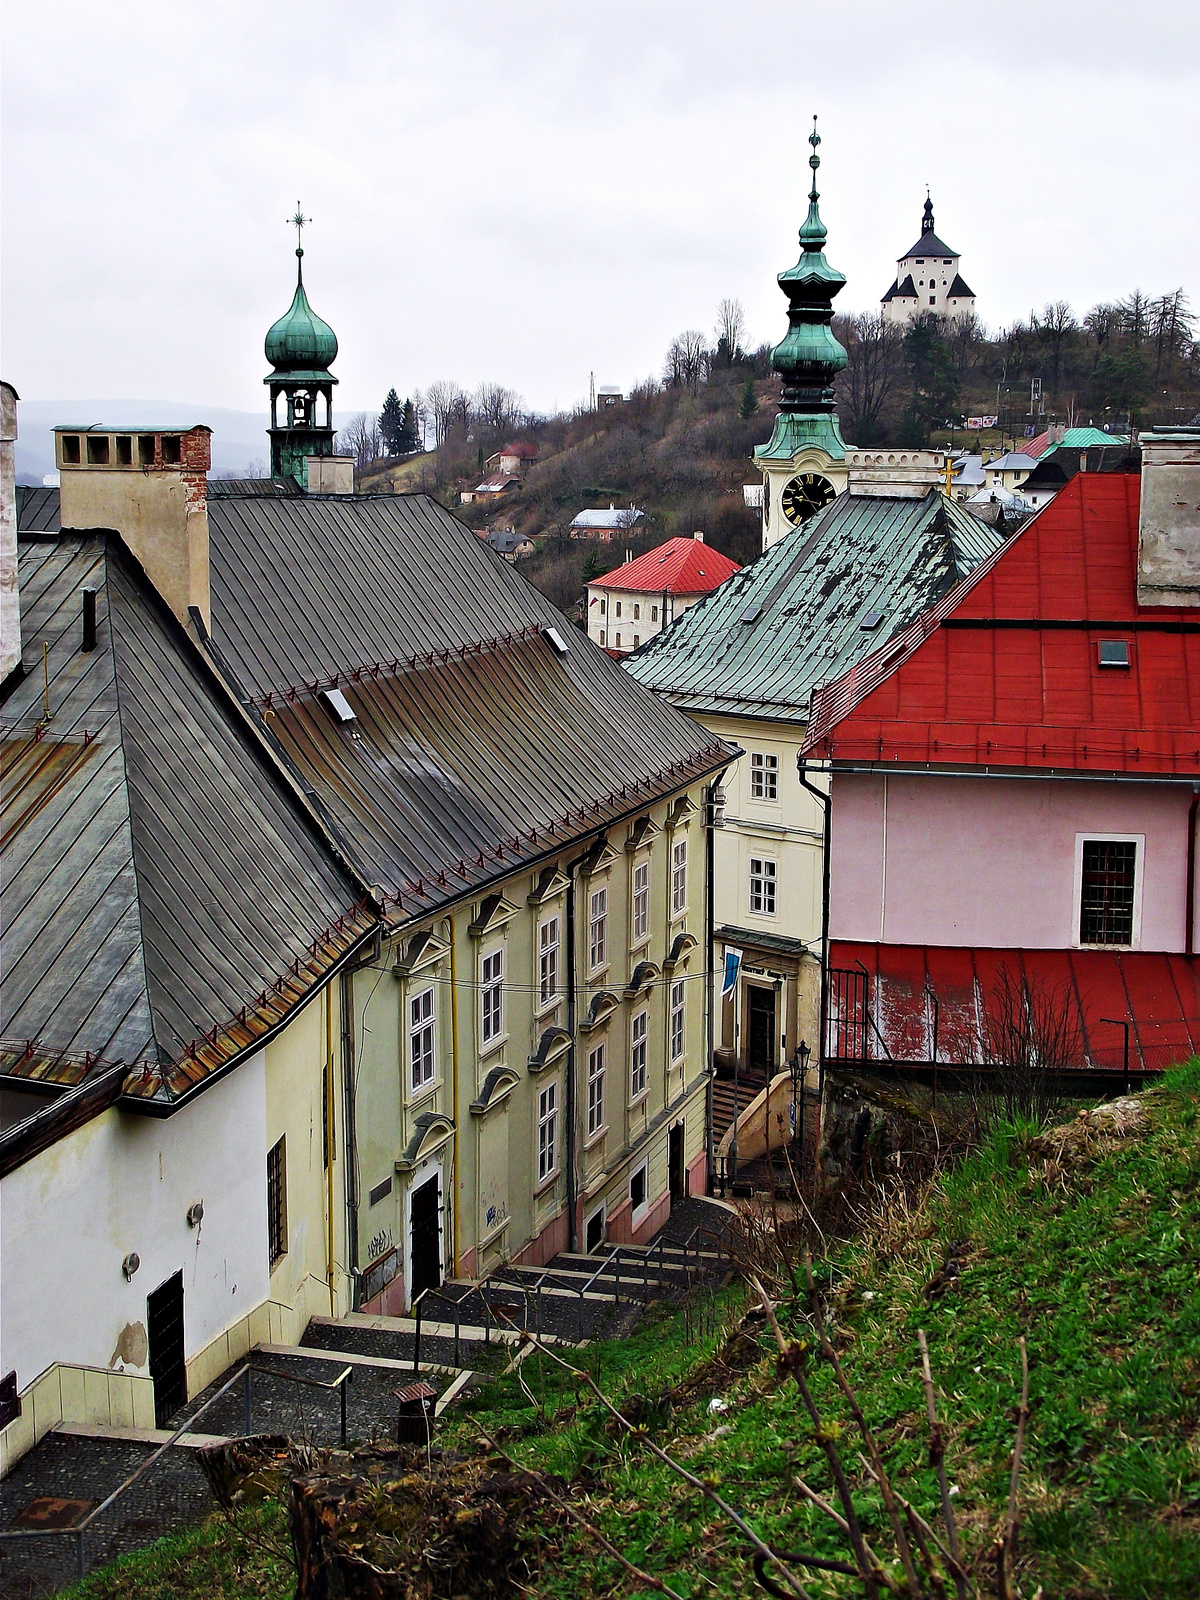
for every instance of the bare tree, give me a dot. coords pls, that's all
(497, 407)
(686, 358)
(1030, 1034)
(1054, 327)
(873, 370)
(361, 439)
(730, 331)
(449, 405)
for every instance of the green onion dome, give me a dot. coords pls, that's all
(300, 341)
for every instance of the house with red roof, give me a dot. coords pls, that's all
(1014, 785)
(627, 607)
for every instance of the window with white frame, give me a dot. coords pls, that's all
(548, 960)
(595, 1089)
(597, 928)
(421, 1021)
(678, 1011)
(637, 1055)
(762, 886)
(764, 776)
(492, 987)
(679, 877)
(641, 901)
(547, 1131)
(1107, 891)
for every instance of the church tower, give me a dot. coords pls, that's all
(301, 349)
(928, 281)
(804, 461)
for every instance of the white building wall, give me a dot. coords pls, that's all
(123, 1183)
(623, 619)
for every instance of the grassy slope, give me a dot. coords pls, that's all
(1099, 1271)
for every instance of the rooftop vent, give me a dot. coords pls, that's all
(339, 705)
(1113, 652)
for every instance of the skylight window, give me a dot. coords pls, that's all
(339, 705)
(1113, 652)
(557, 641)
(751, 613)
(871, 621)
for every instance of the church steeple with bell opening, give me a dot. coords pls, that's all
(301, 348)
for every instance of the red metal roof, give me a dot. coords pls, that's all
(1004, 672)
(681, 566)
(1158, 994)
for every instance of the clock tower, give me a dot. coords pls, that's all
(804, 461)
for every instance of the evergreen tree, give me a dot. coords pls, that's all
(935, 381)
(390, 423)
(409, 439)
(749, 403)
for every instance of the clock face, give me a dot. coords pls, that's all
(806, 495)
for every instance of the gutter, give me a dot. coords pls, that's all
(889, 769)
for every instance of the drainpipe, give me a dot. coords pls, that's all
(572, 1232)
(824, 800)
(348, 1081)
(328, 1110)
(1190, 914)
(709, 1002)
(454, 1068)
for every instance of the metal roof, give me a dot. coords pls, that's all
(477, 747)
(1006, 672)
(167, 901)
(681, 566)
(620, 517)
(794, 618)
(37, 509)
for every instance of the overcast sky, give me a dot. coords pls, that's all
(528, 192)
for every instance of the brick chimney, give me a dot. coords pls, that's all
(1169, 525)
(10, 599)
(151, 485)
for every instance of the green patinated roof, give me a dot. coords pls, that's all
(863, 554)
(300, 344)
(1083, 439)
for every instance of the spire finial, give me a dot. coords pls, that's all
(814, 160)
(298, 222)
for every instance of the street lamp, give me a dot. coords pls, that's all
(798, 1067)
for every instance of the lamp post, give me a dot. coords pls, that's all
(798, 1067)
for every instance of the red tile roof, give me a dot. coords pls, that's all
(1005, 671)
(1158, 993)
(681, 566)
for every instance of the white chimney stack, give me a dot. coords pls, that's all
(1169, 524)
(699, 536)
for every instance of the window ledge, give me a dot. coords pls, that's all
(595, 1138)
(639, 944)
(418, 1097)
(597, 975)
(638, 1103)
(546, 1007)
(491, 1047)
(546, 1183)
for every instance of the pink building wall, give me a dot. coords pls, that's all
(990, 862)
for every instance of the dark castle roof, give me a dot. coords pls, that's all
(902, 291)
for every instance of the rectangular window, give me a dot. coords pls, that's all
(618, 608)
(420, 1038)
(637, 1190)
(97, 450)
(637, 1057)
(1106, 898)
(653, 613)
(618, 641)
(764, 776)
(641, 901)
(637, 613)
(70, 449)
(603, 607)
(679, 878)
(277, 1200)
(598, 928)
(548, 960)
(171, 452)
(678, 1011)
(762, 886)
(603, 636)
(146, 449)
(124, 451)
(547, 1131)
(493, 995)
(595, 1086)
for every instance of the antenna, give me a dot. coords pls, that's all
(592, 394)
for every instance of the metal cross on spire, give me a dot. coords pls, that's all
(298, 222)
(814, 160)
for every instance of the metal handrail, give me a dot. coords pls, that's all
(79, 1531)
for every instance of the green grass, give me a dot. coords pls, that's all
(1099, 1271)
(243, 1558)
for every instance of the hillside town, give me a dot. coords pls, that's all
(465, 901)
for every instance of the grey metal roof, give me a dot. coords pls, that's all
(476, 746)
(794, 618)
(162, 883)
(222, 488)
(929, 248)
(37, 510)
(620, 517)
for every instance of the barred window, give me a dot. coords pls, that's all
(547, 1131)
(420, 1038)
(1106, 900)
(595, 1090)
(637, 1060)
(762, 886)
(548, 960)
(678, 1013)
(764, 776)
(493, 995)
(641, 901)
(598, 928)
(679, 878)
(277, 1200)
